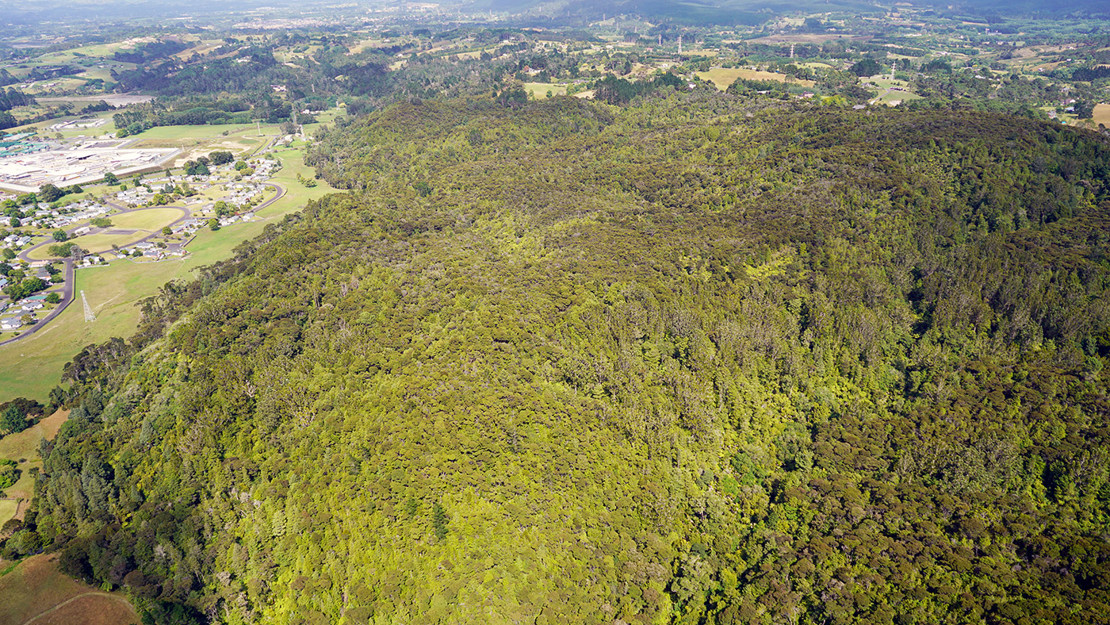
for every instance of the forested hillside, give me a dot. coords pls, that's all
(700, 359)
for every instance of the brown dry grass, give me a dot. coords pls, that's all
(37, 593)
(96, 609)
(1101, 114)
(725, 76)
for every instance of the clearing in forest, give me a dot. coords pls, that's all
(1101, 114)
(725, 76)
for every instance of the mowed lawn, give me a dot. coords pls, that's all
(36, 592)
(33, 366)
(150, 219)
(725, 76)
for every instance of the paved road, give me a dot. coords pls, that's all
(67, 299)
(68, 286)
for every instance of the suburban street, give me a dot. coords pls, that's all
(68, 287)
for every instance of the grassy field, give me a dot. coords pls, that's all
(94, 243)
(886, 92)
(183, 136)
(538, 90)
(195, 141)
(725, 76)
(8, 507)
(55, 85)
(36, 592)
(150, 219)
(1102, 114)
(30, 368)
(24, 449)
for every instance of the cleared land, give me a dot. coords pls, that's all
(36, 592)
(31, 367)
(190, 136)
(1101, 114)
(725, 76)
(539, 90)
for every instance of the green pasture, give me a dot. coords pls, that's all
(150, 219)
(539, 90)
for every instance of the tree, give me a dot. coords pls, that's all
(9, 475)
(167, 231)
(53, 298)
(196, 168)
(50, 193)
(439, 521)
(14, 222)
(60, 250)
(512, 97)
(213, 224)
(13, 420)
(110, 179)
(866, 67)
(60, 235)
(221, 158)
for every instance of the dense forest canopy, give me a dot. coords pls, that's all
(698, 359)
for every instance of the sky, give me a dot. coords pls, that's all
(28, 11)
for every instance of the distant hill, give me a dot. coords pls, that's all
(757, 11)
(690, 12)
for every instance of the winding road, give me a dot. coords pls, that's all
(68, 285)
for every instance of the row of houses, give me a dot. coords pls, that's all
(80, 211)
(13, 313)
(16, 241)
